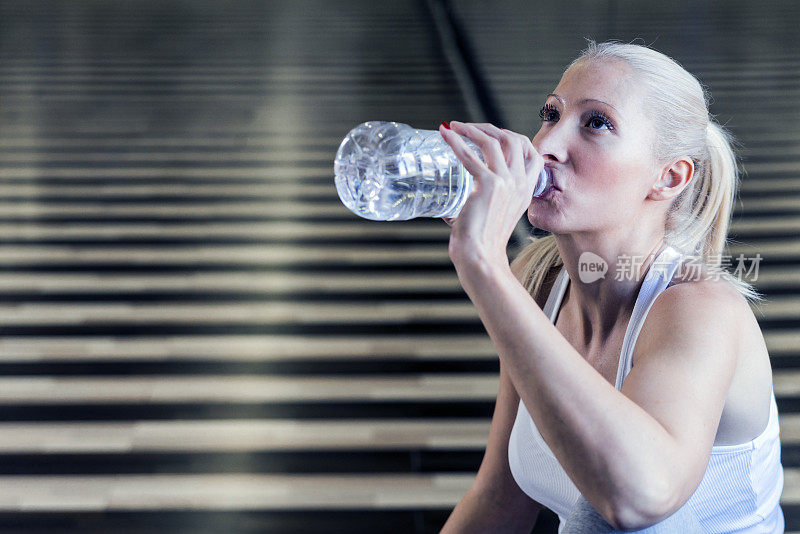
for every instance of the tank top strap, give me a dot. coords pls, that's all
(553, 303)
(658, 278)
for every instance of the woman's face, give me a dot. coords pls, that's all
(597, 140)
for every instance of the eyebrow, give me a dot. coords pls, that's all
(583, 101)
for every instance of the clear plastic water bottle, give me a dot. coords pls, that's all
(388, 171)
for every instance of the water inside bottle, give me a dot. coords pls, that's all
(418, 178)
(421, 186)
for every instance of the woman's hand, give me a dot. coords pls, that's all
(503, 188)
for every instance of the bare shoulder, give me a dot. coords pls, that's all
(706, 293)
(701, 312)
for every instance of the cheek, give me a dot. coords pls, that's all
(599, 173)
(619, 172)
(611, 185)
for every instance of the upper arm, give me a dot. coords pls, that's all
(684, 361)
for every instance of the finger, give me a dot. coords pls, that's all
(449, 221)
(515, 154)
(489, 146)
(490, 129)
(530, 154)
(524, 141)
(510, 143)
(464, 153)
(534, 163)
(498, 133)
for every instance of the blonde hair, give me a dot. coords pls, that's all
(698, 219)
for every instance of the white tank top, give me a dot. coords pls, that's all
(741, 488)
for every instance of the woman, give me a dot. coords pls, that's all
(630, 402)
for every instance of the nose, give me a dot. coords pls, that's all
(551, 141)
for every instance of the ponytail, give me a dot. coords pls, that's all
(699, 218)
(723, 176)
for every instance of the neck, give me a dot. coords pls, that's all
(599, 302)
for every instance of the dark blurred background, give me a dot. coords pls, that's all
(197, 337)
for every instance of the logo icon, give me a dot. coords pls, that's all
(591, 267)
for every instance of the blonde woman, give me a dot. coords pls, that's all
(636, 402)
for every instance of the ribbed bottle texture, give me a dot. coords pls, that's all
(389, 171)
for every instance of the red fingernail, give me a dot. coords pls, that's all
(445, 125)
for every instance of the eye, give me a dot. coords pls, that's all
(597, 120)
(548, 113)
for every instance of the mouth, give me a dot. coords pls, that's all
(550, 191)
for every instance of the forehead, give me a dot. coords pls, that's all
(611, 81)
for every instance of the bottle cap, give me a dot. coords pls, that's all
(545, 180)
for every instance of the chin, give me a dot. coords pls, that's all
(552, 223)
(538, 219)
(539, 224)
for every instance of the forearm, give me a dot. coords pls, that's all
(479, 512)
(611, 448)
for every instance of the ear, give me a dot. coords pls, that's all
(673, 179)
